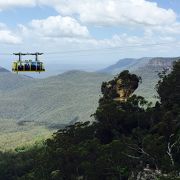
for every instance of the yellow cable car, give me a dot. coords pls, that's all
(28, 65)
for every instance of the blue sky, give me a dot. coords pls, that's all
(99, 25)
(174, 4)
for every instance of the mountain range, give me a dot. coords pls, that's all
(133, 64)
(127, 63)
(34, 107)
(147, 68)
(30, 108)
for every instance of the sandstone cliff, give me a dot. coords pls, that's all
(121, 87)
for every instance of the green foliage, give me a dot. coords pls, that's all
(125, 137)
(31, 108)
(37, 107)
(169, 87)
(127, 80)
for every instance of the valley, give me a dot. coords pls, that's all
(32, 109)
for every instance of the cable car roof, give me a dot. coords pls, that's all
(24, 54)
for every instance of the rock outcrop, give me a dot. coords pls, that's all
(121, 87)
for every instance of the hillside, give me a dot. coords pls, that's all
(33, 107)
(147, 68)
(128, 141)
(60, 99)
(127, 63)
(3, 69)
(149, 74)
(11, 82)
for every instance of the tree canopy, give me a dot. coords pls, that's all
(127, 139)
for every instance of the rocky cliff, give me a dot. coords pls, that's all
(121, 87)
(162, 62)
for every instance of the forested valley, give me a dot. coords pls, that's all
(129, 140)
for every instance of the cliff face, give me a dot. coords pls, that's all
(123, 90)
(122, 87)
(134, 64)
(162, 62)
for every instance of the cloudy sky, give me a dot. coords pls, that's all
(89, 32)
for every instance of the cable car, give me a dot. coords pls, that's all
(28, 65)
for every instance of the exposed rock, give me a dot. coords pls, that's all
(165, 63)
(122, 87)
(146, 174)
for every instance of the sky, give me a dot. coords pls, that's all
(93, 33)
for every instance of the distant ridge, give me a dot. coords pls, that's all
(134, 64)
(149, 74)
(3, 70)
(162, 62)
(127, 63)
(147, 68)
(48, 104)
(54, 100)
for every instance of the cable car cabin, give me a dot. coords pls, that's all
(28, 65)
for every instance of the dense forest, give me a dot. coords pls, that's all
(129, 139)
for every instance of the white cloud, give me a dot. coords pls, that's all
(67, 28)
(173, 29)
(115, 12)
(7, 36)
(97, 12)
(4, 4)
(59, 27)
(126, 41)
(105, 12)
